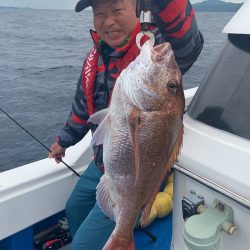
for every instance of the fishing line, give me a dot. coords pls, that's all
(149, 234)
(70, 168)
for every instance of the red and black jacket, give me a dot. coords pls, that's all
(174, 22)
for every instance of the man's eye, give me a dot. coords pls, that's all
(99, 14)
(118, 10)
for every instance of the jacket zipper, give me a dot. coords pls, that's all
(106, 65)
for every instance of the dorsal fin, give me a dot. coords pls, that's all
(171, 160)
(176, 149)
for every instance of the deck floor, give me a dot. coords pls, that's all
(65, 247)
(160, 228)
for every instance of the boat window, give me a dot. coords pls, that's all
(223, 99)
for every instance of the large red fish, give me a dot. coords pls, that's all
(141, 133)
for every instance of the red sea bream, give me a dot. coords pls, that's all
(141, 133)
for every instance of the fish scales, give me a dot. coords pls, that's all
(141, 134)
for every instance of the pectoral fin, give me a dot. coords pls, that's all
(133, 127)
(99, 116)
(103, 129)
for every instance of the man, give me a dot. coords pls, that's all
(114, 48)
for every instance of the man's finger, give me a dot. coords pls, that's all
(52, 154)
(58, 159)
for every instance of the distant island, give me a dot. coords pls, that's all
(216, 6)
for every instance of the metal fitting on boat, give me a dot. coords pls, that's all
(202, 231)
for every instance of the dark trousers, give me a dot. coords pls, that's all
(89, 227)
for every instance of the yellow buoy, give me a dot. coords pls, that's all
(170, 178)
(169, 189)
(163, 204)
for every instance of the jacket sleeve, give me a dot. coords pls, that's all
(176, 22)
(76, 126)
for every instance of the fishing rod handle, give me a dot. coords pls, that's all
(143, 10)
(143, 6)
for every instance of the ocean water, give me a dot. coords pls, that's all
(41, 55)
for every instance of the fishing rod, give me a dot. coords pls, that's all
(140, 227)
(70, 168)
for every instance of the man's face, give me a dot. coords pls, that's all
(114, 20)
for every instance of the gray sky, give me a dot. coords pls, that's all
(60, 4)
(40, 4)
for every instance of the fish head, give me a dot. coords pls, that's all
(153, 79)
(164, 79)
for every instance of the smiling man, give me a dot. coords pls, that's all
(114, 21)
(116, 27)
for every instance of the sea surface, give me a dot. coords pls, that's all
(41, 55)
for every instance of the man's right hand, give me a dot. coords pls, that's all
(57, 152)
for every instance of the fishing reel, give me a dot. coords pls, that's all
(143, 11)
(54, 237)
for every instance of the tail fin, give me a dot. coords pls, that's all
(117, 243)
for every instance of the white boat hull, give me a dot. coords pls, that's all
(215, 165)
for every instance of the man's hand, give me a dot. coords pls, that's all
(57, 152)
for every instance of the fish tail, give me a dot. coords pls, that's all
(118, 243)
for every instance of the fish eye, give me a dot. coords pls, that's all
(172, 87)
